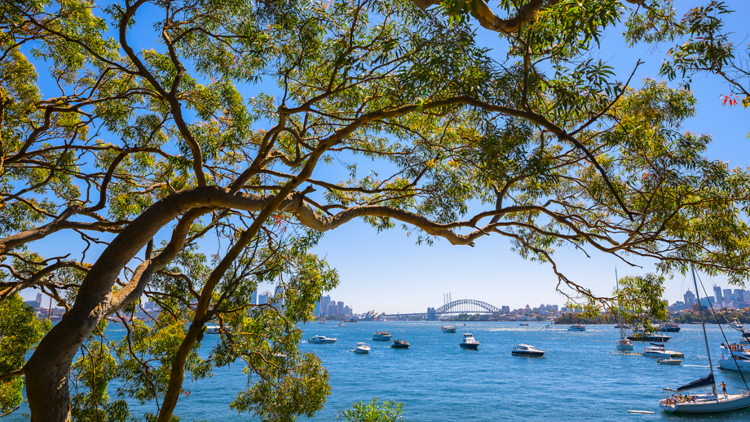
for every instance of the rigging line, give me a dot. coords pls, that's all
(722, 333)
(703, 325)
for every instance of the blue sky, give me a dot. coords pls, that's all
(388, 272)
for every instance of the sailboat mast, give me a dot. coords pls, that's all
(703, 324)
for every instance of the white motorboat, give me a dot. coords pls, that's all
(448, 329)
(526, 350)
(735, 362)
(704, 403)
(469, 342)
(669, 361)
(736, 324)
(658, 351)
(736, 349)
(321, 340)
(212, 329)
(362, 349)
(381, 336)
(624, 345)
(577, 327)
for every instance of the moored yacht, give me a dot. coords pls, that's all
(658, 351)
(212, 329)
(668, 327)
(736, 349)
(739, 363)
(399, 344)
(362, 349)
(321, 340)
(469, 342)
(381, 336)
(624, 345)
(736, 324)
(526, 350)
(641, 336)
(577, 327)
(448, 329)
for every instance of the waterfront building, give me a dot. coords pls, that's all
(264, 298)
(689, 298)
(324, 302)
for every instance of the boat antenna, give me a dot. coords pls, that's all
(705, 337)
(723, 335)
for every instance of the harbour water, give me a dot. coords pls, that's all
(581, 377)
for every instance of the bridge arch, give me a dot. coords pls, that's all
(466, 306)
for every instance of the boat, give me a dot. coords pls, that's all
(524, 325)
(624, 345)
(448, 329)
(321, 322)
(641, 336)
(399, 344)
(708, 402)
(361, 349)
(736, 324)
(669, 327)
(321, 340)
(577, 327)
(658, 351)
(734, 362)
(669, 361)
(212, 329)
(526, 350)
(736, 349)
(469, 342)
(350, 320)
(381, 336)
(341, 324)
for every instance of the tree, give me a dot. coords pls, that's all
(206, 120)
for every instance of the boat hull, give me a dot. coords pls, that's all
(655, 339)
(625, 347)
(527, 353)
(470, 346)
(448, 330)
(744, 366)
(669, 330)
(361, 351)
(400, 346)
(722, 404)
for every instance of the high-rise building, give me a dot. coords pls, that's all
(324, 302)
(506, 309)
(331, 308)
(264, 298)
(340, 308)
(316, 311)
(727, 295)
(717, 291)
(347, 310)
(254, 297)
(689, 298)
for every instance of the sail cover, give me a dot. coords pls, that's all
(701, 383)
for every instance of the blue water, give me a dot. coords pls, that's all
(581, 377)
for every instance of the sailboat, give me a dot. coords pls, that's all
(704, 403)
(623, 344)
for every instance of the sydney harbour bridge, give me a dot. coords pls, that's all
(455, 307)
